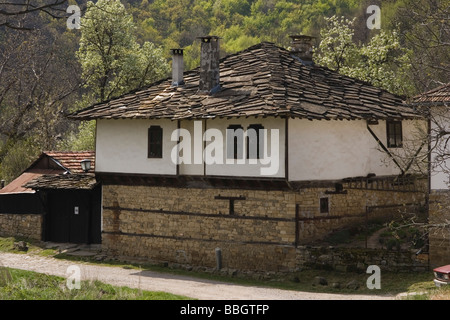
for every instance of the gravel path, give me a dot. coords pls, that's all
(153, 281)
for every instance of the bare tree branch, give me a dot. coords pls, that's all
(14, 12)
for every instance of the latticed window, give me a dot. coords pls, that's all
(394, 134)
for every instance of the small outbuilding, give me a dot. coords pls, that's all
(55, 199)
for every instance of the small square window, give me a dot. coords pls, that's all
(324, 205)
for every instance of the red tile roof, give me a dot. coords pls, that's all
(71, 159)
(436, 96)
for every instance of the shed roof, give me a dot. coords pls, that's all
(263, 80)
(63, 182)
(16, 186)
(50, 163)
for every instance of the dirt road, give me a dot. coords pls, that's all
(181, 285)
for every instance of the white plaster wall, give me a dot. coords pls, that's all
(439, 175)
(192, 168)
(318, 150)
(277, 163)
(331, 150)
(245, 169)
(121, 147)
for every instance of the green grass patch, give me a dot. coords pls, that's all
(27, 285)
(7, 245)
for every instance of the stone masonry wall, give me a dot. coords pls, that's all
(358, 259)
(180, 225)
(439, 237)
(354, 207)
(21, 225)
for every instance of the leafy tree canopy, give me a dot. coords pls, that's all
(381, 62)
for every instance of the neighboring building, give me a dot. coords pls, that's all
(435, 103)
(326, 151)
(41, 203)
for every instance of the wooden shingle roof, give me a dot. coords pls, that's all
(263, 80)
(63, 182)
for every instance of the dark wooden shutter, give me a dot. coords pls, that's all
(259, 142)
(235, 141)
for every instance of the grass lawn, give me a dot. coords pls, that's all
(27, 285)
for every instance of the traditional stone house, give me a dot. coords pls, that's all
(435, 103)
(255, 153)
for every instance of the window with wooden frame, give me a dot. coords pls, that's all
(235, 141)
(394, 134)
(255, 141)
(155, 137)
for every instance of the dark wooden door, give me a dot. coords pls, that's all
(68, 216)
(79, 218)
(57, 219)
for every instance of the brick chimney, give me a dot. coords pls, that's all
(209, 82)
(177, 67)
(302, 48)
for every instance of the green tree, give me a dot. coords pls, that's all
(382, 61)
(113, 62)
(19, 157)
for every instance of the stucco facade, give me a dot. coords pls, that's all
(312, 150)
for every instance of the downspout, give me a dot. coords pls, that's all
(384, 148)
